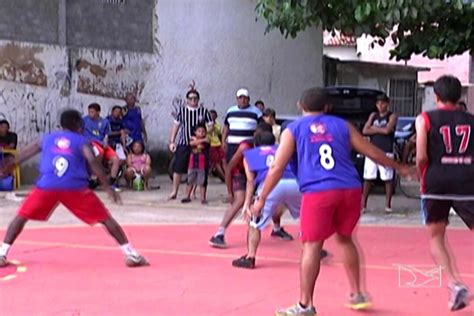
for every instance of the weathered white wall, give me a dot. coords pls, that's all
(218, 44)
(341, 52)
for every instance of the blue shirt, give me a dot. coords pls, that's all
(132, 120)
(63, 165)
(259, 159)
(116, 125)
(323, 154)
(96, 130)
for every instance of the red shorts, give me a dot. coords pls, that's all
(100, 151)
(40, 204)
(327, 212)
(216, 155)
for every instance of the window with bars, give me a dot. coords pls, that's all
(403, 96)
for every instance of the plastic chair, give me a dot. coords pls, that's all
(16, 170)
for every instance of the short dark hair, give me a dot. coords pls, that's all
(115, 107)
(259, 102)
(264, 139)
(71, 120)
(314, 99)
(5, 122)
(213, 112)
(269, 112)
(193, 91)
(264, 127)
(94, 106)
(199, 126)
(462, 105)
(448, 89)
(382, 97)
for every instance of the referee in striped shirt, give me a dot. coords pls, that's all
(187, 118)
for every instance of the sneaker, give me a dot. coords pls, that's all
(297, 310)
(281, 234)
(218, 242)
(388, 210)
(116, 188)
(244, 262)
(3, 261)
(459, 297)
(186, 200)
(136, 261)
(358, 301)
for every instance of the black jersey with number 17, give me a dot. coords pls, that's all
(450, 170)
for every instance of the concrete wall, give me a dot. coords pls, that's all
(218, 44)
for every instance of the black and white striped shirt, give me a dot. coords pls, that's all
(188, 118)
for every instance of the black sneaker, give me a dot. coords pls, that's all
(459, 297)
(281, 234)
(3, 261)
(244, 262)
(218, 242)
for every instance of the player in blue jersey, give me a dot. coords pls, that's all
(65, 158)
(287, 193)
(320, 147)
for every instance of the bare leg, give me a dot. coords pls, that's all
(439, 251)
(309, 270)
(115, 162)
(253, 240)
(233, 209)
(202, 191)
(366, 192)
(115, 230)
(176, 183)
(388, 193)
(146, 176)
(351, 262)
(14, 229)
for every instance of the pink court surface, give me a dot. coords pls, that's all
(80, 271)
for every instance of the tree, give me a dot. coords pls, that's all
(434, 28)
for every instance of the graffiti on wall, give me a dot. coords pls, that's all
(110, 78)
(19, 63)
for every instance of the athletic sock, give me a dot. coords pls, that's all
(220, 231)
(128, 250)
(276, 228)
(4, 249)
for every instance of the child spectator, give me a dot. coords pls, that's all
(269, 116)
(260, 105)
(198, 163)
(138, 163)
(216, 153)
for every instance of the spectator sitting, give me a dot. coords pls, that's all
(260, 105)
(133, 120)
(198, 163)
(216, 153)
(97, 130)
(269, 116)
(138, 163)
(8, 140)
(118, 133)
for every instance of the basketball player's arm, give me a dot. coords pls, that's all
(249, 189)
(282, 157)
(361, 145)
(99, 172)
(421, 144)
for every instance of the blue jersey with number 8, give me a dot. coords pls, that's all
(323, 154)
(63, 165)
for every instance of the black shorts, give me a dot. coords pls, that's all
(434, 211)
(231, 149)
(181, 159)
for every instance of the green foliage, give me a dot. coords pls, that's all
(434, 28)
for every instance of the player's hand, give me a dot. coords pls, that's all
(411, 173)
(172, 147)
(257, 207)
(247, 213)
(114, 196)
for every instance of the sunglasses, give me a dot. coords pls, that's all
(193, 98)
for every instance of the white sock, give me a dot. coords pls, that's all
(128, 250)
(220, 231)
(276, 228)
(4, 249)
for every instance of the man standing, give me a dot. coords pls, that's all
(444, 158)
(381, 128)
(187, 119)
(133, 120)
(240, 123)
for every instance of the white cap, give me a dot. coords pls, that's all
(242, 92)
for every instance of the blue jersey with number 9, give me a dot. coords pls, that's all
(63, 165)
(323, 154)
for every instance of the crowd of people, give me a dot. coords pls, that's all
(310, 172)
